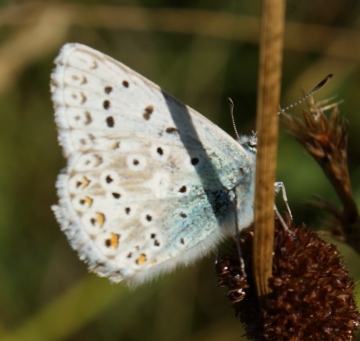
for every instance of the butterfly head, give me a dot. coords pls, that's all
(249, 143)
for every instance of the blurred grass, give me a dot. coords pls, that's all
(202, 52)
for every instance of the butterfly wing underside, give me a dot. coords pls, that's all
(149, 181)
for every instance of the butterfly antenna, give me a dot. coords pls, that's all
(231, 104)
(317, 87)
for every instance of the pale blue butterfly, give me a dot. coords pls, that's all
(150, 183)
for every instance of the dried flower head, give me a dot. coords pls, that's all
(312, 296)
(325, 139)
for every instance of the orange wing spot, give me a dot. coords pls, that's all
(116, 145)
(98, 160)
(141, 259)
(100, 219)
(83, 183)
(88, 201)
(114, 240)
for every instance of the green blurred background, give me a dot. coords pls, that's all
(200, 51)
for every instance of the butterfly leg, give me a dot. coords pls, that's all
(237, 236)
(282, 221)
(279, 186)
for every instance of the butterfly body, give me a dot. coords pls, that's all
(150, 183)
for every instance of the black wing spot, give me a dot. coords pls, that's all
(109, 179)
(110, 121)
(125, 84)
(183, 189)
(106, 104)
(116, 195)
(136, 162)
(148, 217)
(183, 215)
(194, 161)
(148, 111)
(127, 210)
(160, 151)
(171, 130)
(182, 241)
(108, 89)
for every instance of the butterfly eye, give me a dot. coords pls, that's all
(252, 143)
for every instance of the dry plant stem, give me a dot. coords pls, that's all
(326, 141)
(271, 44)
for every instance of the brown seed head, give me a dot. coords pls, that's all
(312, 296)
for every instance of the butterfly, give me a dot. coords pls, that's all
(150, 183)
